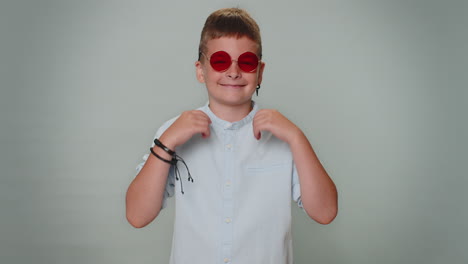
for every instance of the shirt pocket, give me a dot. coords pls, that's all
(267, 168)
(268, 183)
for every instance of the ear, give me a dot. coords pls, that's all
(260, 73)
(199, 72)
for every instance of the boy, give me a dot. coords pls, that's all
(246, 163)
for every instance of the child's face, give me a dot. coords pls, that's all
(232, 87)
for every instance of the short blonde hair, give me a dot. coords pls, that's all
(230, 22)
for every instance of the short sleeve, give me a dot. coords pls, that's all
(170, 183)
(296, 188)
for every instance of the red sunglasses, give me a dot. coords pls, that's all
(221, 61)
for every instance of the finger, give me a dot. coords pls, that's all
(254, 127)
(258, 127)
(206, 133)
(202, 115)
(203, 127)
(196, 116)
(262, 122)
(206, 123)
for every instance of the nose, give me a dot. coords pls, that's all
(233, 71)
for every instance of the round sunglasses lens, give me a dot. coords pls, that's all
(248, 62)
(220, 61)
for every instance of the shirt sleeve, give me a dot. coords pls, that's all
(296, 188)
(170, 183)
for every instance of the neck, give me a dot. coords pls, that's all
(230, 113)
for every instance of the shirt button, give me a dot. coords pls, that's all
(226, 260)
(228, 146)
(228, 220)
(228, 183)
(227, 126)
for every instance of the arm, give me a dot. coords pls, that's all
(145, 193)
(318, 192)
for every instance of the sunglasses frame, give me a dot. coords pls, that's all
(237, 61)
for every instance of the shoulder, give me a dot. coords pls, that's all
(169, 122)
(165, 126)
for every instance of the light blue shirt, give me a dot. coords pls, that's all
(238, 209)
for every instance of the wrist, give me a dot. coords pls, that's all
(168, 142)
(296, 136)
(157, 151)
(160, 145)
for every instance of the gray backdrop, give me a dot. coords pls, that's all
(379, 87)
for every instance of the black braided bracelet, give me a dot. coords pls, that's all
(161, 145)
(175, 159)
(161, 158)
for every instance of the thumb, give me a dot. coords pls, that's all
(256, 132)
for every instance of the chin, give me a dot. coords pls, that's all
(234, 101)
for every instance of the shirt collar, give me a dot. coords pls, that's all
(228, 125)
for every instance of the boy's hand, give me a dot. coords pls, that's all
(188, 124)
(274, 122)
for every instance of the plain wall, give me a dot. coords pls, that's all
(379, 88)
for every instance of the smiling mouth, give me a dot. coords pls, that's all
(233, 85)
